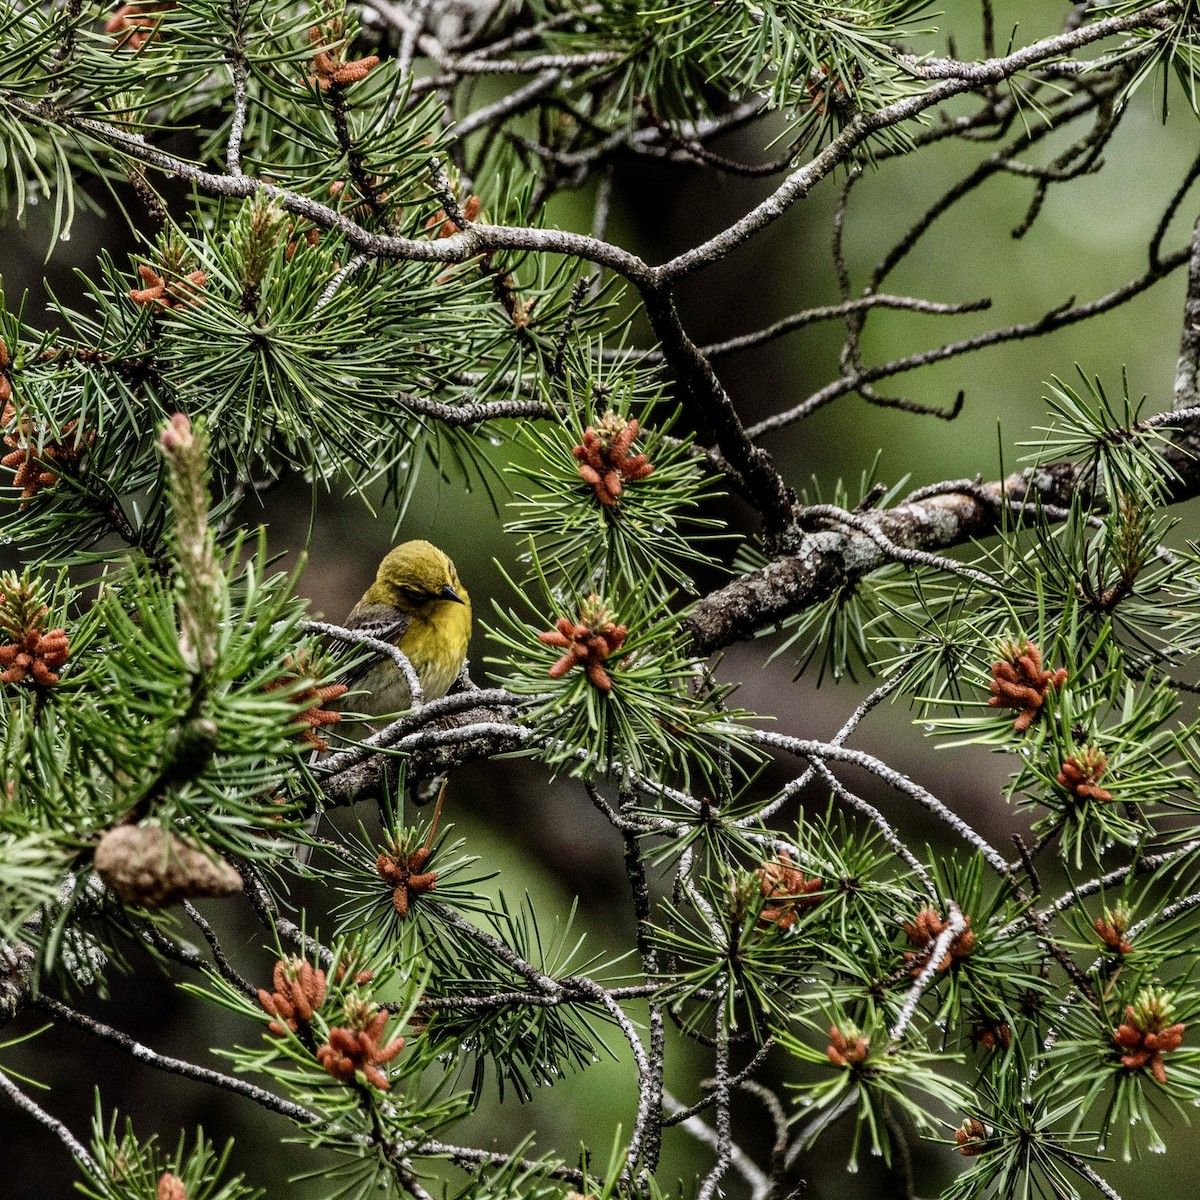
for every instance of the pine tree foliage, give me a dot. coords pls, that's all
(348, 270)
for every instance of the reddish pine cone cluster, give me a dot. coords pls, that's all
(1147, 1033)
(405, 874)
(34, 653)
(1019, 682)
(158, 292)
(817, 88)
(971, 1136)
(357, 1045)
(295, 237)
(315, 715)
(358, 977)
(989, 1034)
(170, 1187)
(446, 226)
(605, 459)
(588, 642)
(5, 382)
(847, 1047)
(134, 25)
(299, 991)
(331, 68)
(925, 928)
(782, 881)
(36, 462)
(1112, 927)
(1081, 774)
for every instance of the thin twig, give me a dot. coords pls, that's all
(175, 1066)
(29, 1105)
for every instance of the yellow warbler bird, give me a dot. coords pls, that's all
(419, 604)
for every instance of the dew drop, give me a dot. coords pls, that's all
(852, 1166)
(65, 236)
(1157, 1148)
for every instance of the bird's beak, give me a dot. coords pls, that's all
(448, 593)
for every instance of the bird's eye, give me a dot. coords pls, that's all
(414, 595)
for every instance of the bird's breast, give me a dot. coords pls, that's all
(436, 645)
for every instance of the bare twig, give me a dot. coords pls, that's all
(56, 1127)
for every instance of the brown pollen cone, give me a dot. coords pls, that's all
(405, 872)
(1081, 774)
(34, 654)
(315, 716)
(1147, 1034)
(5, 382)
(446, 226)
(170, 1187)
(359, 977)
(295, 237)
(783, 882)
(356, 1046)
(588, 642)
(989, 1034)
(299, 992)
(971, 1137)
(605, 461)
(347, 197)
(405, 876)
(817, 89)
(331, 68)
(925, 928)
(1018, 681)
(134, 25)
(167, 293)
(1112, 927)
(848, 1048)
(37, 462)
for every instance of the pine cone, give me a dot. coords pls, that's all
(144, 865)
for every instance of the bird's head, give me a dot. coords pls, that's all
(414, 575)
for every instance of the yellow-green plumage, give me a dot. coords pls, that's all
(417, 603)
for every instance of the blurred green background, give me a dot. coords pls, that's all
(1090, 238)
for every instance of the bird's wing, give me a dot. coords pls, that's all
(375, 620)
